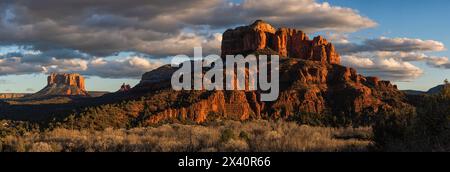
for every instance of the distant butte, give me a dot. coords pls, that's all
(62, 84)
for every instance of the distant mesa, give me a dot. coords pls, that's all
(63, 84)
(156, 79)
(12, 95)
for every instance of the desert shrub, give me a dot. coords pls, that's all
(244, 135)
(235, 145)
(309, 119)
(8, 127)
(391, 128)
(13, 144)
(431, 130)
(427, 129)
(44, 147)
(227, 136)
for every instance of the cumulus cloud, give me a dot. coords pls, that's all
(402, 56)
(14, 66)
(386, 68)
(132, 67)
(65, 65)
(182, 44)
(391, 44)
(338, 38)
(439, 62)
(104, 27)
(81, 36)
(378, 63)
(390, 57)
(308, 15)
(129, 67)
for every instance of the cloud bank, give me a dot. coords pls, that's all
(391, 58)
(129, 67)
(72, 37)
(386, 68)
(56, 37)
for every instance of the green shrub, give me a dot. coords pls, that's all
(391, 128)
(244, 135)
(426, 130)
(227, 134)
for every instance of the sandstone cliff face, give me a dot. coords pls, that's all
(286, 42)
(307, 87)
(311, 82)
(66, 79)
(232, 105)
(62, 84)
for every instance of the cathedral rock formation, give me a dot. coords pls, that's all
(286, 42)
(62, 84)
(312, 82)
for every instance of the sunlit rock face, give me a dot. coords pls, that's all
(63, 84)
(287, 42)
(312, 81)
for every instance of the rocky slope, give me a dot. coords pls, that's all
(62, 84)
(124, 88)
(312, 81)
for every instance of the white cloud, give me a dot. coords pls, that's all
(390, 57)
(14, 66)
(391, 44)
(130, 67)
(338, 38)
(69, 37)
(439, 62)
(309, 15)
(102, 28)
(403, 56)
(386, 68)
(182, 44)
(66, 65)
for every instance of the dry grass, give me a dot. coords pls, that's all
(228, 136)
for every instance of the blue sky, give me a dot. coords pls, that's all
(420, 19)
(412, 19)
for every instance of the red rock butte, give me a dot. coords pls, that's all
(286, 42)
(66, 79)
(312, 81)
(63, 84)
